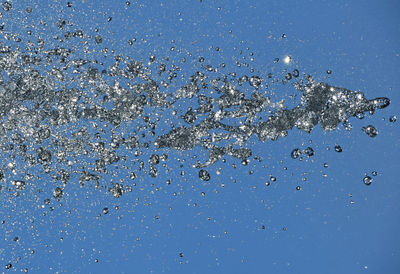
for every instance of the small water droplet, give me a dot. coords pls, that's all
(98, 39)
(367, 180)
(393, 118)
(58, 193)
(370, 131)
(7, 6)
(309, 151)
(204, 175)
(295, 153)
(338, 148)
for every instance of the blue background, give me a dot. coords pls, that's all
(334, 224)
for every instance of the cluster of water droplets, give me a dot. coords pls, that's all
(82, 112)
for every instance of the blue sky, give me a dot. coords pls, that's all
(233, 223)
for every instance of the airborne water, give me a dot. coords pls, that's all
(76, 114)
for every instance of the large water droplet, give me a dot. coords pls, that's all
(370, 131)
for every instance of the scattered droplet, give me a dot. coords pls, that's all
(309, 151)
(367, 180)
(98, 39)
(204, 175)
(295, 153)
(58, 193)
(7, 6)
(338, 148)
(370, 131)
(393, 118)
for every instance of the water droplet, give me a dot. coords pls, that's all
(204, 175)
(367, 180)
(43, 154)
(370, 131)
(295, 153)
(393, 118)
(7, 6)
(338, 148)
(58, 193)
(309, 151)
(98, 39)
(287, 60)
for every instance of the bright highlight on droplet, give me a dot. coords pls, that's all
(287, 59)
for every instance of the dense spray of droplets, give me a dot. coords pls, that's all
(52, 125)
